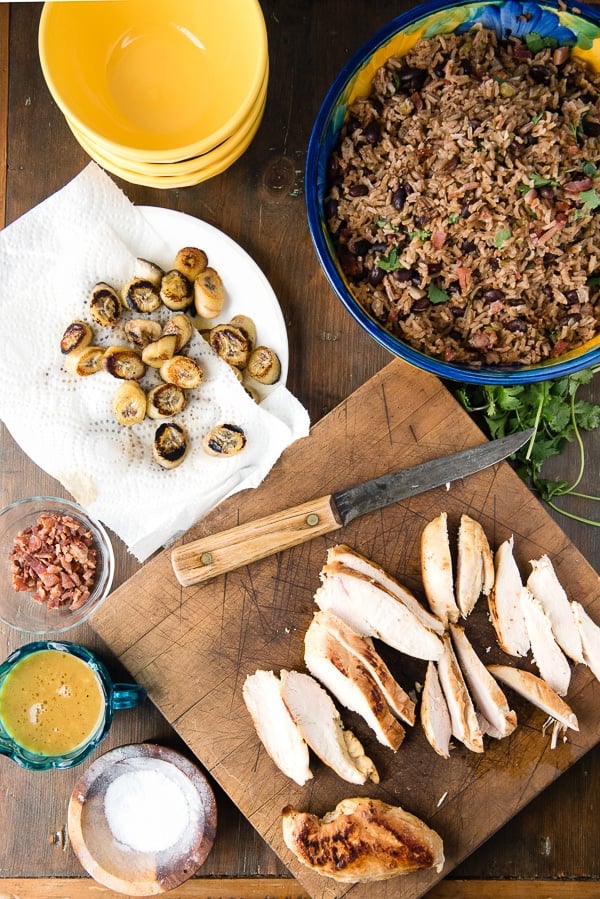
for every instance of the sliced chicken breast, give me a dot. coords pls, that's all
(362, 648)
(474, 565)
(350, 558)
(362, 840)
(342, 673)
(544, 585)
(537, 692)
(547, 654)
(489, 699)
(275, 726)
(465, 726)
(321, 726)
(436, 569)
(371, 610)
(590, 638)
(435, 717)
(504, 603)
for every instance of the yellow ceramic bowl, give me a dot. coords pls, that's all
(182, 167)
(174, 179)
(155, 80)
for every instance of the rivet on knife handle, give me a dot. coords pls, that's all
(208, 557)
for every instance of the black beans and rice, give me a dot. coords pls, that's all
(464, 199)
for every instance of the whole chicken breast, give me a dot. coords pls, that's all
(362, 840)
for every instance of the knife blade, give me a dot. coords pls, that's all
(203, 559)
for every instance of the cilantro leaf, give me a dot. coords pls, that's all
(391, 262)
(436, 294)
(501, 237)
(590, 198)
(556, 413)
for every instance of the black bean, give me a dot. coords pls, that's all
(330, 208)
(590, 127)
(466, 66)
(492, 294)
(516, 326)
(358, 190)
(434, 268)
(474, 124)
(420, 305)
(402, 275)
(572, 296)
(372, 132)
(376, 276)
(540, 74)
(351, 264)
(465, 212)
(546, 192)
(468, 246)
(360, 247)
(411, 79)
(399, 197)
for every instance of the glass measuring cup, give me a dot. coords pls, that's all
(57, 701)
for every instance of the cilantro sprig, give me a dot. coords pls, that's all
(556, 413)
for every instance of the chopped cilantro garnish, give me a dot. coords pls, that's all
(423, 234)
(537, 118)
(501, 237)
(454, 218)
(590, 198)
(589, 168)
(390, 262)
(535, 42)
(436, 294)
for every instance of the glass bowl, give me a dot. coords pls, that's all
(580, 28)
(18, 608)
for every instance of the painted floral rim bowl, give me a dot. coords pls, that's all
(578, 28)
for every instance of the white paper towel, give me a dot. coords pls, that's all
(49, 260)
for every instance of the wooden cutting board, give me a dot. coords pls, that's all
(192, 647)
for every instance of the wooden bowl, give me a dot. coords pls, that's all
(142, 819)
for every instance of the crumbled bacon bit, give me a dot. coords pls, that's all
(55, 560)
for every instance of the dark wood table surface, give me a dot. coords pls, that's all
(553, 844)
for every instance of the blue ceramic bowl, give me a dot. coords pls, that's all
(580, 29)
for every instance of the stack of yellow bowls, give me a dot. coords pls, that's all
(162, 93)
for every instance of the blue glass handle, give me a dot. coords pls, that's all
(125, 696)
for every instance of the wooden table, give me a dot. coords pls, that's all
(552, 844)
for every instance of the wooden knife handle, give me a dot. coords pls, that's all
(208, 557)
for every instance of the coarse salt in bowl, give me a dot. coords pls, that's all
(19, 608)
(579, 27)
(142, 819)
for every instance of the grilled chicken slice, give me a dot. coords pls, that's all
(371, 610)
(545, 586)
(590, 638)
(362, 840)
(357, 562)
(548, 656)
(537, 692)
(435, 717)
(436, 569)
(474, 565)
(504, 603)
(320, 724)
(275, 726)
(490, 701)
(400, 703)
(465, 726)
(352, 684)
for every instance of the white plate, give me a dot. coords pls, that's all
(248, 290)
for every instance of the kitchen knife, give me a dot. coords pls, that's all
(200, 560)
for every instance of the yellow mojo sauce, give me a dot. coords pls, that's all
(51, 702)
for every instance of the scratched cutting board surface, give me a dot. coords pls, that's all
(192, 647)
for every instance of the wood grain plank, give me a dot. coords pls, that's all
(192, 647)
(4, 36)
(287, 888)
